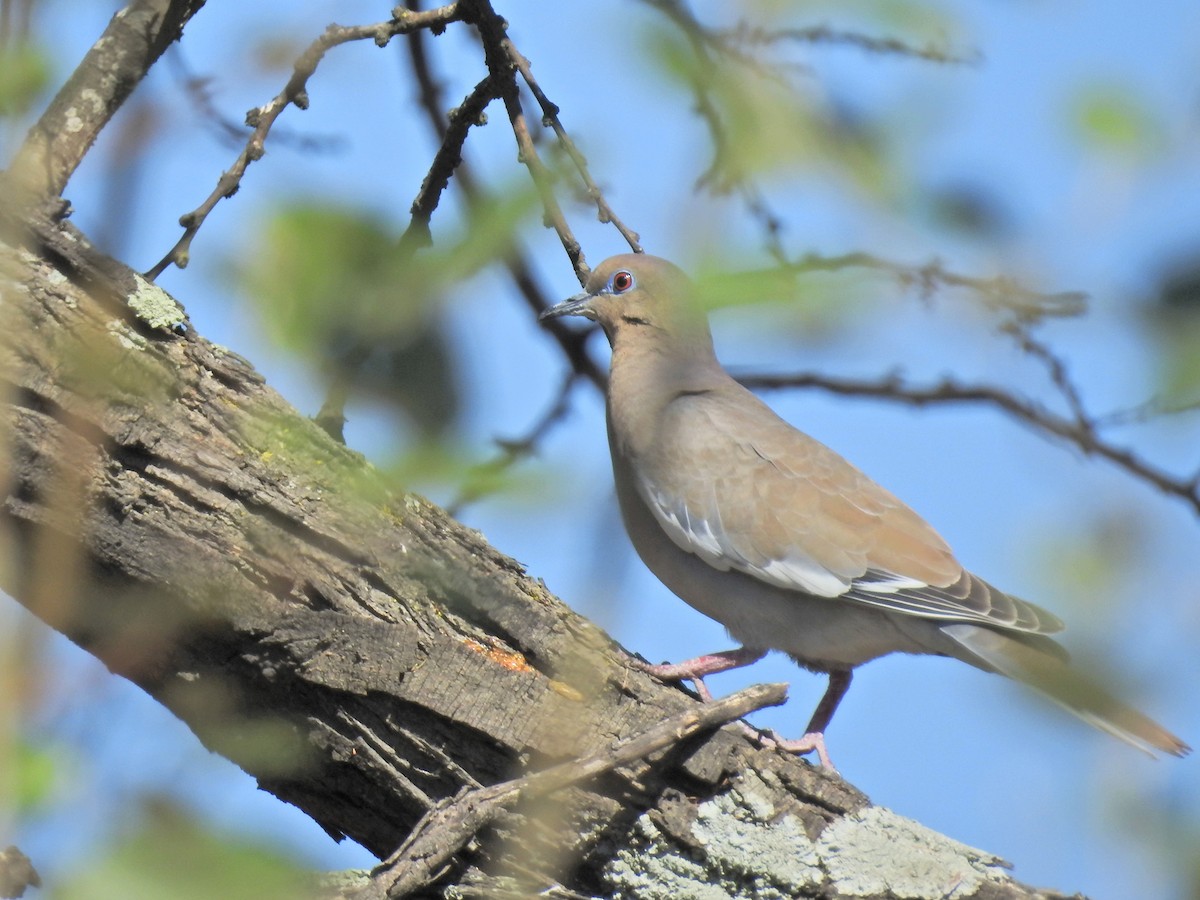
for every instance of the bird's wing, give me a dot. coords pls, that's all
(731, 482)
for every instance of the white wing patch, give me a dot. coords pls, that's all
(878, 582)
(707, 538)
(797, 571)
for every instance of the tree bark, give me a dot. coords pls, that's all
(360, 653)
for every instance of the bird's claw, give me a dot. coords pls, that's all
(814, 740)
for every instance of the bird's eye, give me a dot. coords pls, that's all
(621, 282)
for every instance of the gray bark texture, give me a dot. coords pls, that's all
(360, 653)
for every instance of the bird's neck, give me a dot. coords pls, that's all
(648, 374)
(655, 359)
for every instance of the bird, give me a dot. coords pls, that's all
(774, 535)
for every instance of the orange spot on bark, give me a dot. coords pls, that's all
(501, 656)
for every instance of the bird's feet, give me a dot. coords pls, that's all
(695, 669)
(814, 740)
(700, 666)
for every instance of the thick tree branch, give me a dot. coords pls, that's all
(360, 653)
(444, 831)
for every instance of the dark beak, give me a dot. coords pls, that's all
(576, 305)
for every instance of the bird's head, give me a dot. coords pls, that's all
(638, 294)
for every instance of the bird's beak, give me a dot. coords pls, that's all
(576, 305)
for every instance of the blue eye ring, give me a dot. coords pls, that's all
(621, 282)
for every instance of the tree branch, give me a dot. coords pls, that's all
(571, 340)
(1079, 432)
(999, 293)
(746, 35)
(133, 41)
(550, 117)
(445, 830)
(294, 92)
(360, 653)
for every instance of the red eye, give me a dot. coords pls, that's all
(621, 282)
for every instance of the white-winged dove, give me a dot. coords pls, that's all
(778, 538)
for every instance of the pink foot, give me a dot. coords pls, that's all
(814, 740)
(695, 670)
(702, 665)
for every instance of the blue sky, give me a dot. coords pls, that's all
(963, 752)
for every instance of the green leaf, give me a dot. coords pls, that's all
(767, 123)
(335, 287)
(24, 73)
(1112, 119)
(816, 304)
(331, 287)
(38, 775)
(1175, 323)
(171, 856)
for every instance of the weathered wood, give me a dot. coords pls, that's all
(359, 652)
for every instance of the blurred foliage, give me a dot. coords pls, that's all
(764, 123)
(1086, 566)
(1112, 119)
(24, 73)
(1175, 318)
(336, 287)
(453, 464)
(328, 281)
(38, 776)
(817, 305)
(171, 857)
(1167, 829)
(969, 210)
(277, 52)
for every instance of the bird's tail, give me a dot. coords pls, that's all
(1045, 669)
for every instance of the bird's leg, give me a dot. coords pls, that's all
(708, 664)
(814, 738)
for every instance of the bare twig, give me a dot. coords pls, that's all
(571, 341)
(997, 293)
(695, 32)
(550, 118)
(447, 160)
(754, 36)
(445, 830)
(498, 52)
(231, 133)
(452, 134)
(771, 222)
(295, 92)
(1079, 433)
(1055, 367)
(1154, 408)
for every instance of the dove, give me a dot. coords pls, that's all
(789, 546)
